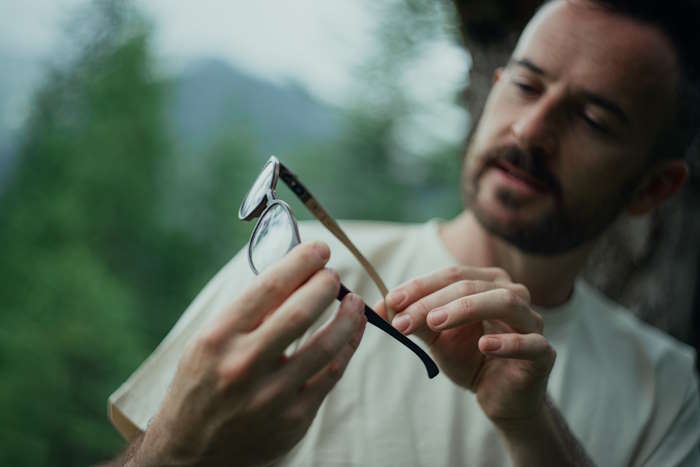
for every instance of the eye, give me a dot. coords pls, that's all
(526, 88)
(595, 125)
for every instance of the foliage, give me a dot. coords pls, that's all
(92, 279)
(109, 228)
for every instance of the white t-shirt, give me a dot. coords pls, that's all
(627, 391)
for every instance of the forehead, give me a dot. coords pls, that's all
(590, 47)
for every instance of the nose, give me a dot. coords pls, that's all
(536, 128)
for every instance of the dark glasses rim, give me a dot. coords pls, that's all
(298, 188)
(260, 208)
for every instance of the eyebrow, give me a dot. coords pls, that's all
(525, 63)
(592, 97)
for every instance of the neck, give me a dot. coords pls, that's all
(550, 279)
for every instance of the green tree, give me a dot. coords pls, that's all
(91, 276)
(369, 172)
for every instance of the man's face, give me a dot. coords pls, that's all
(566, 134)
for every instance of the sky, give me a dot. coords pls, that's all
(313, 41)
(316, 43)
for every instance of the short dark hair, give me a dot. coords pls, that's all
(679, 21)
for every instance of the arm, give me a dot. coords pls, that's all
(486, 337)
(544, 440)
(236, 397)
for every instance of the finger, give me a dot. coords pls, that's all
(381, 309)
(533, 347)
(408, 292)
(294, 317)
(273, 286)
(344, 330)
(316, 388)
(413, 318)
(496, 304)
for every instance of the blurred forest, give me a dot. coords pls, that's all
(119, 205)
(117, 209)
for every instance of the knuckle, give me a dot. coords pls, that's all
(311, 253)
(330, 279)
(326, 350)
(270, 396)
(226, 375)
(270, 286)
(522, 380)
(454, 273)
(539, 322)
(467, 306)
(415, 286)
(335, 370)
(298, 317)
(510, 298)
(296, 415)
(355, 341)
(516, 344)
(353, 310)
(420, 310)
(207, 343)
(307, 254)
(522, 291)
(235, 370)
(466, 287)
(499, 274)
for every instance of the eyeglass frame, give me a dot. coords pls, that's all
(271, 199)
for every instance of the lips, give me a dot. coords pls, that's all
(514, 171)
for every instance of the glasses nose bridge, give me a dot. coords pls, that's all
(270, 196)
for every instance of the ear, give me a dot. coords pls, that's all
(663, 181)
(498, 72)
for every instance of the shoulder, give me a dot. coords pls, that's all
(650, 373)
(623, 331)
(643, 397)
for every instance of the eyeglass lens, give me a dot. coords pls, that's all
(273, 237)
(276, 233)
(259, 190)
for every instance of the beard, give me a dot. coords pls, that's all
(556, 228)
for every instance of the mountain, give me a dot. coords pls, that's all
(211, 98)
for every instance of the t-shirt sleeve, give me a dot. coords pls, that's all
(134, 403)
(680, 444)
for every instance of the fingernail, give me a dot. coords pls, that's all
(437, 317)
(333, 273)
(323, 250)
(357, 302)
(491, 344)
(402, 323)
(395, 299)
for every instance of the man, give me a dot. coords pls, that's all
(584, 123)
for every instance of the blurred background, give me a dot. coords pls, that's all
(130, 131)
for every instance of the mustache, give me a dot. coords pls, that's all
(531, 163)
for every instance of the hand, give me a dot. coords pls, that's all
(236, 398)
(484, 335)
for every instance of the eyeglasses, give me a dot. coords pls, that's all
(276, 232)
